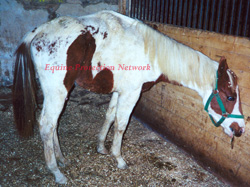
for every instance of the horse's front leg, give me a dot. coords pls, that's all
(110, 117)
(126, 103)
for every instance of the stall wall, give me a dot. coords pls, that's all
(178, 114)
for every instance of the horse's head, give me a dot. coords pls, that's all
(223, 105)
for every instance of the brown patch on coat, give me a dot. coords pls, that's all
(225, 89)
(91, 29)
(162, 78)
(105, 35)
(81, 52)
(96, 32)
(102, 83)
(52, 48)
(38, 48)
(40, 42)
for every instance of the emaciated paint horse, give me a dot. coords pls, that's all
(109, 52)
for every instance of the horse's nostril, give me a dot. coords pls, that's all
(239, 133)
(236, 129)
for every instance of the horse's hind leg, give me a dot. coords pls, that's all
(52, 107)
(110, 117)
(126, 103)
(58, 153)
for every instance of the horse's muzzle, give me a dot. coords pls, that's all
(236, 129)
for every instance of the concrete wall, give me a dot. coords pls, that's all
(17, 17)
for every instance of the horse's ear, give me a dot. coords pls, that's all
(223, 67)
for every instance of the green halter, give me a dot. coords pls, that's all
(215, 93)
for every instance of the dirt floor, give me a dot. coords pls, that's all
(152, 161)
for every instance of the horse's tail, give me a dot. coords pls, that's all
(24, 88)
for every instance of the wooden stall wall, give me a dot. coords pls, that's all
(178, 113)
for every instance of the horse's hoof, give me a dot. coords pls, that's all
(61, 179)
(103, 151)
(122, 166)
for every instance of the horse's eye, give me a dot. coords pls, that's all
(230, 98)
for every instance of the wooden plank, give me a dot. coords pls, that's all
(246, 112)
(215, 54)
(205, 139)
(209, 47)
(245, 95)
(242, 67)
(228, 43)
(122, 6)
(244, 175)
(185, 126)
(243, 78)
(242, 46)
(188, 97)
(178, 112)
(235, 61)
(174, 102)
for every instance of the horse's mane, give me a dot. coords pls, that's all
(177, 61)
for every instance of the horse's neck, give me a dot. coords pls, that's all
(188, 67)
(178, 62)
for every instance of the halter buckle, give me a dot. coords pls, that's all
(225, 115)
(215, 92)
